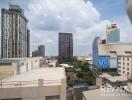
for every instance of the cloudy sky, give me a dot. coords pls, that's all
(86, 19)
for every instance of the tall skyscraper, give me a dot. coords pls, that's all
(15, 36)
(112, 33)
(65, 47)
(40, 52)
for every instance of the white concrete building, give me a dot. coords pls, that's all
(37, 84)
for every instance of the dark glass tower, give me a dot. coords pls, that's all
(28, 43)
(65, 47)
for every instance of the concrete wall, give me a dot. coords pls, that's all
(35, 92)
(99, 82)
(129, 86)
(120, 48)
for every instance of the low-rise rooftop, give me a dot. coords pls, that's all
(110, 94)
(113, 78)
(50, 76)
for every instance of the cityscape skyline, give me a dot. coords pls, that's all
(66, 50)
(43, 29)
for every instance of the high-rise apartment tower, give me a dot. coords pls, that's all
(15, 36)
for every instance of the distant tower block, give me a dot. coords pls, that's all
(112, 33)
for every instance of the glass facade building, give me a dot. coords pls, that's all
(100, 61)
(112, 33)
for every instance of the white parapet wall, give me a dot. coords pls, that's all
(37, 84)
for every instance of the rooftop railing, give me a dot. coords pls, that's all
(15, 84)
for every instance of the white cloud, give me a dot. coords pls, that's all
(48, 17)
(125, 28)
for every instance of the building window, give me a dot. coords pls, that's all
(127, 64)
(112, 51)
(127, 59)
(127, 73)
(128, 69)
(119, 71)
(129, 52)
(53, 97)
(123, 67)
(119, 62)
(123, 63)
(119, 58)
(123, 58)
(123, 72)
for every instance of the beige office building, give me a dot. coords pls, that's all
(37, 84)
(119, 56)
